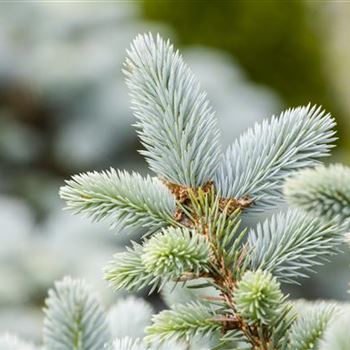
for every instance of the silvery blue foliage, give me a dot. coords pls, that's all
(175, 122)
(92, 131)
(290, 243)
(322, 191)
(126, 200)
(311, 323)
(203, 238)
(74, 318)
(257, 163)
(127, 272)
(183, 322)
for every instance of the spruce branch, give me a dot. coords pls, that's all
(323, 191)
(290, 243)
(175, 122)
(309, 328)
(195, 205)
(127, 271)
(257, 163)
(219, 223)
(175, 251)
(182, 322)
(74, 318)
(126, 200)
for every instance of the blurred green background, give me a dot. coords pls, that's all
(64, 109)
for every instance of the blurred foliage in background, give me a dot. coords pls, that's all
(278, 43)
(64, 108)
